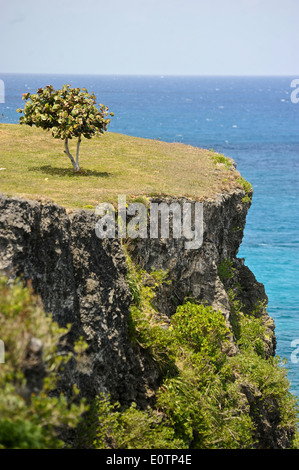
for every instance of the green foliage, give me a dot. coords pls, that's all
(199, 398)
(155, 339)
(141, 200)
(132, 428)
(133, 279)
(219, 158)
(247, 188)
(201, 329)
(226, 270)
(202, 400)
(200, 403)
(245, 185)
(266, 378)
(206, 415)
(268, 383)
(197, 407)
(259, 308)
(235, 309)
(160, 277)
(31, 420)
(20, 434)
(69, 112)
(252, 334)
(249, 330)
(145, 325)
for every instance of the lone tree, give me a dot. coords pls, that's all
(69, 112)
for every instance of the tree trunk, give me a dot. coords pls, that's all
(74, 163)
(77, 154)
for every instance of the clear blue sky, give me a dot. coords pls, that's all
(177, 37)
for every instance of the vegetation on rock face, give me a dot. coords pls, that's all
(31, 416)
(247, 187)
(218, 158)
(69, 112)
(206, 399)
(131, 428)
(226, 269)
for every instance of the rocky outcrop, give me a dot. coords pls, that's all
(195, 273)
(81, 280)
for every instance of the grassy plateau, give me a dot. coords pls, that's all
(33, 165)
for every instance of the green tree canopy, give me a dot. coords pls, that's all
(68, 112)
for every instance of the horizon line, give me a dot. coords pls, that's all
(159, 75)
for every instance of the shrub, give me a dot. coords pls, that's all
(226, 270)
(202, 329)
(200, 403)
(145, 325)
(132, 428)
(219, 158)
(252, 334)
(31, 419)
(247, 187)
(268, 383)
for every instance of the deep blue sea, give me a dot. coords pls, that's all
(251, 120)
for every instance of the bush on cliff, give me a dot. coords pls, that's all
(207, 399)
(30, 415)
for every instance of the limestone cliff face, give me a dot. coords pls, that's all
(82, 280)
(195, 273)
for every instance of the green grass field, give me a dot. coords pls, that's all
(111, 165)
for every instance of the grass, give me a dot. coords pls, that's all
(113, 164)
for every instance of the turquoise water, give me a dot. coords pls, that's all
(249, 119)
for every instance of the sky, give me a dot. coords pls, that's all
(150, 37)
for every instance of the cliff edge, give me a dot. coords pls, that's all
(95, 285)
(82, 281)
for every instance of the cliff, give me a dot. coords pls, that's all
(133, 322)
(82, 281)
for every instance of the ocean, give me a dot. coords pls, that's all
(251, 119)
